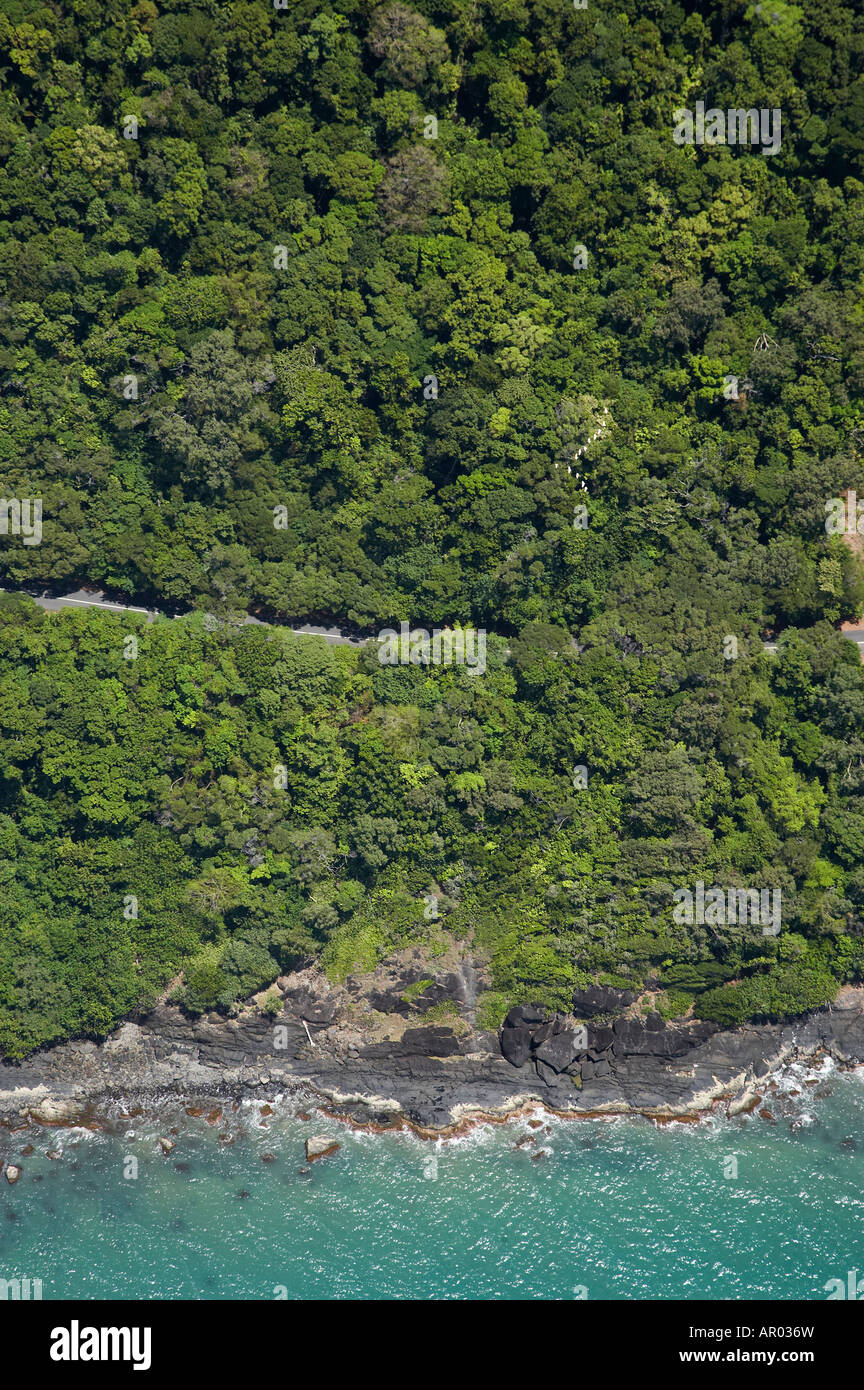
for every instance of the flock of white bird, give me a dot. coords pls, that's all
(600, 430)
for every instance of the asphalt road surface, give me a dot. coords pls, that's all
(95, 598)
(856, 635)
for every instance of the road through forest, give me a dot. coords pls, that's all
(95, 598)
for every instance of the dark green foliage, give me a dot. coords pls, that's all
(283, 262)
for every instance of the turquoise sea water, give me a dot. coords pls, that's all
(621, 1209)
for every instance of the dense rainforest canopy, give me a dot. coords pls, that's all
(313, 310)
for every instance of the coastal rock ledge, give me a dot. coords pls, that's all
(432, 1077)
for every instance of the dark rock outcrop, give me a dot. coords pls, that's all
(599, 1038)
(650, 1037)
(559, 1045)
(431, 1076)
(410, 990)
(516, 1045)
(551, 1045)
(526, 1016)
(313, 1008)
(600, 999)
(417, 1042)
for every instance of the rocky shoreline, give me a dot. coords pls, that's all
(422, 1061)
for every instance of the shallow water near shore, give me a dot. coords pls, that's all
(534, 1208)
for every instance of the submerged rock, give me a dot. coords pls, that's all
(319, 1146)
(57, 1112)
(743, 1104)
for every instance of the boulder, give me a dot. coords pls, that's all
(601, 999)
(526, 1016)
(743, 1104)
(599, 1038)
(166, 1145)
(12, 1173)
(548, 1075)
(516, 1045)
(382, 1003)
(319, 1146)
(57, 1112)
(313, 1008)
(560, 1046)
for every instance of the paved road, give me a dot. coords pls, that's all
(86, 598)
(95, 598)
(856, 635)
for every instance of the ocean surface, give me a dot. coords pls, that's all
(597, 1209)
